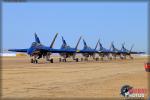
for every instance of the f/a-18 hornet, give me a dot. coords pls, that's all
(38, 50)
(70, 52)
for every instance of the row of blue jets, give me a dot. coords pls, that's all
(37, 50)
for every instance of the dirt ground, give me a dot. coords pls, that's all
(92, 79)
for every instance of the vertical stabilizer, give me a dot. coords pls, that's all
(131, 47)
(78, 42)
(85, 45)
(113, 47)
(96, 45)
(51, 45)
(123, 48)
(37, 38)
(64, 43)
(100, 45)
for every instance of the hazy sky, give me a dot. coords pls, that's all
(118, 22)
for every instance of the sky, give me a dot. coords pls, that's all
(107, 21)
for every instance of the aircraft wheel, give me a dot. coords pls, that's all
(121, 58)
(110, 58)
(51, 60)
(35, 61)
(97, 59)
(86, 59)
(65, 60)
(32, 61)
(77, 59)
(59, 59)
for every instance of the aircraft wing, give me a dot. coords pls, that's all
(87, 51)
(18, 50)
(48, 49)
(137, 52)
(106, 51)
(132, 52)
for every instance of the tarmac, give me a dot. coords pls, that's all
(88, 79)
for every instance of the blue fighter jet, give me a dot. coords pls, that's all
(103, 52)
(126, 52)
(88, 51)
(123, 52)
(37, 50)
(116, 52)
(67, 48)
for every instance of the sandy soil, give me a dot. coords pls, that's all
(102, 79)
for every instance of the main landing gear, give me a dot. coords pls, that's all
(84, 59)
(97, 59)
(76, 59)
(50, 60)
(62, 60)
(130, 57)
(34, 61)
(65, 60)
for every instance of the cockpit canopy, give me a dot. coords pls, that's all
(35, 44)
